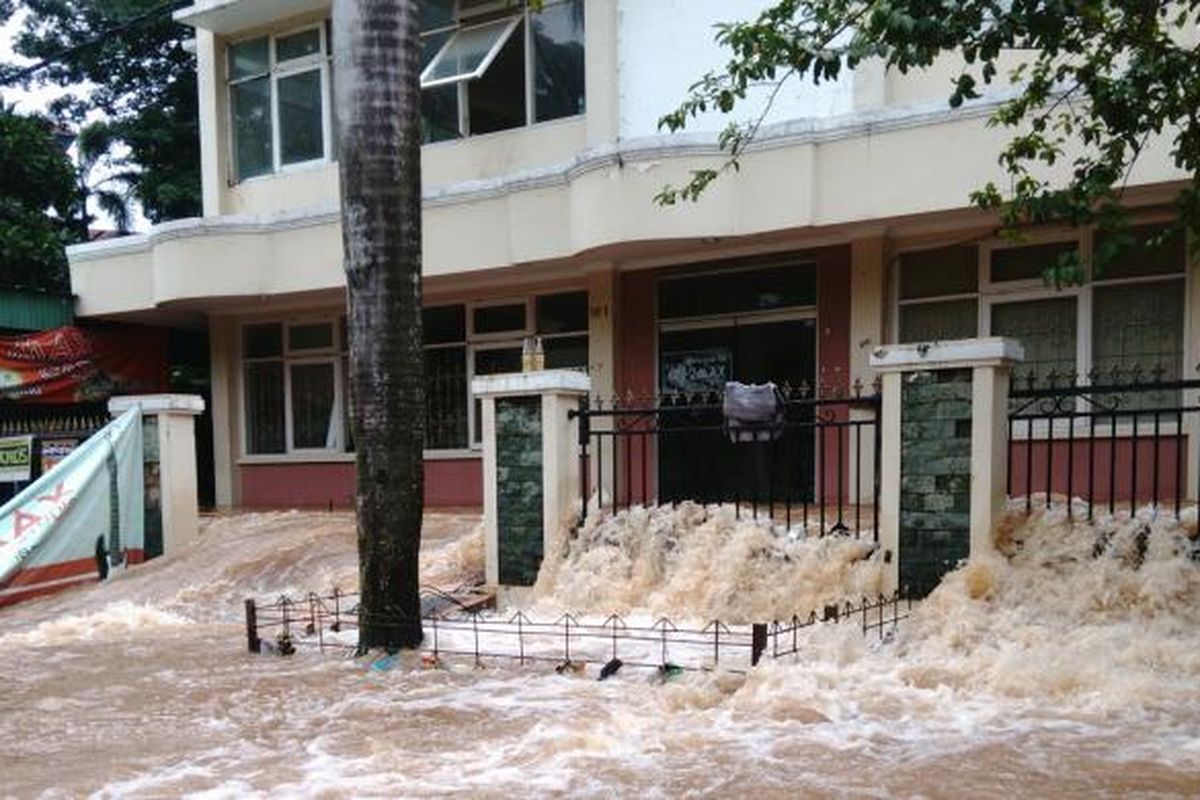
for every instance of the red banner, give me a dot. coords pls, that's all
(73, 365)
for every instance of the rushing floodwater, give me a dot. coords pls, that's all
(1049, 672)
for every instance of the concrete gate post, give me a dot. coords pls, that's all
(944, 457)
(530, 467)
(169, 441)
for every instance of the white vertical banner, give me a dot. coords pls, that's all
(80, 519)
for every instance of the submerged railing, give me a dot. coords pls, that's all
(819, 466)
(1114, 440)
(570, 641)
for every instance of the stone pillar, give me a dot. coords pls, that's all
(945, 454)
(530, 468)
(169, 428)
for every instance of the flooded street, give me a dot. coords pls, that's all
(1047, 673)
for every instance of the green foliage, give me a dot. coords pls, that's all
(1101, 81)
(38, 178)
(142, 87)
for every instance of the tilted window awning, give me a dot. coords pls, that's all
(468, 53)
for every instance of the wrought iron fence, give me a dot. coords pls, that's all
(569, 641)
(820, 467)
(64, 424)
(1115, 440)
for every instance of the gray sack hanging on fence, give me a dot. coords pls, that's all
(753, 412)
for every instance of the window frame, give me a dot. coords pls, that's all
(320, 61)
(479, 342)
(289, 357)
(485, 14)
(510, 24)
(991, 294)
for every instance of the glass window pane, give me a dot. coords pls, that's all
(313, 422)
(252, 127)
(264, 407)
(498, 361)
(467, 52)
(493, 362)
(1141, 259)
(499, 319)
(313, 336)
(431, 44)
(567, 352)
(1138, 326)
(248, 58)
(934, 322)
(444, 324)
(262, 341)
(1047, 331)
(558, 55)
(298, 45)
(940, 272)
(445, 398)
(562, 313)
(436, 14)
(1027, 263)
(301, 130)
(439, 114)
(496, 100)
(739, 290)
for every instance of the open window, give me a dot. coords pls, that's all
(468, 53)
(483, 73)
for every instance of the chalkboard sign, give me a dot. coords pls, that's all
(692, 371)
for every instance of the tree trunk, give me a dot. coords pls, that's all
(377, 90)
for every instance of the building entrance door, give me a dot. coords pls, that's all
(696, 461)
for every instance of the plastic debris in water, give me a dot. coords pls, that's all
(429, 661)
(383, 664)
(668, 670)
(610, 669)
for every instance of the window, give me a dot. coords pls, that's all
(938, 291)
(738, 291)
(279, 89)
(1130, 315)
(487, 339)
(294, 387)
(483, 73)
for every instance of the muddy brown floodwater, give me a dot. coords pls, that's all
(1046, 672)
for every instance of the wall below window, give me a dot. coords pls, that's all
(448, 483)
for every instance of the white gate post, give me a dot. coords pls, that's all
(174, 418)
(937, 502)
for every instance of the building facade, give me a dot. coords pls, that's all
(846, 227)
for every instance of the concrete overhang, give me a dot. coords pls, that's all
(231, 16)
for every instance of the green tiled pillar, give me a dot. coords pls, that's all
(519, 489)
(530, 470)
(944, 454)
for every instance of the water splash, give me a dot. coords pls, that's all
(701, 561)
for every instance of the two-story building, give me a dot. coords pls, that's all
(847, 226)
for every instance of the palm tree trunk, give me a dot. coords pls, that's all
(376, 69)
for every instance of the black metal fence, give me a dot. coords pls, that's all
(569, 641)
(1115, 440)
(820, 469)
(58, 424)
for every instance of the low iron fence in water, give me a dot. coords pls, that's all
(1115, 440)
(570, 641)
(819, 466)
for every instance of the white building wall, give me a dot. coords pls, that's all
(664, 46)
